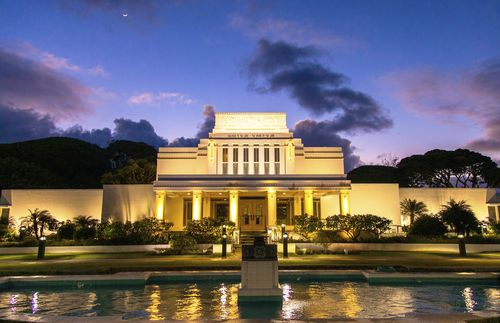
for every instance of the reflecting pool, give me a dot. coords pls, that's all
(219, 301)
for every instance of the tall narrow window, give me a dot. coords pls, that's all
(256, 160)
(266, 160)
(235, 160)
(245, 160)
(277, 160)
(317, 207)
(224, 160)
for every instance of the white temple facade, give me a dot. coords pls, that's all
(250, 171)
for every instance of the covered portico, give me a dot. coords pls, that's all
(253, 203)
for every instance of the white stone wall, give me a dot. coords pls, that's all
(376, 199)
(128, 202)
(63, 204)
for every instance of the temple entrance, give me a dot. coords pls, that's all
(252, 214)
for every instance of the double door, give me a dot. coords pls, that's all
(252, 214)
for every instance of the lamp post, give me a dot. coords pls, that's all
(22, 233)
(224, 241)
(285, 240)
(41, 248)
(461, 245)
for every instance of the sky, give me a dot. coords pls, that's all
(379, 78)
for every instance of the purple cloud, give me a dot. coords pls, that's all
(322, 134)
(31, 85)
(472, 93)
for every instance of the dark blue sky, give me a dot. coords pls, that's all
(391, 77)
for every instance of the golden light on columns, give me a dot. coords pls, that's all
(233, 206)
(309, 202)
(197, 198)
(160, 205)
(344, 203)
(271, 207)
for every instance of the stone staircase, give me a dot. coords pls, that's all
(247, 238)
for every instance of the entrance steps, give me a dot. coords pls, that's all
(247, 237)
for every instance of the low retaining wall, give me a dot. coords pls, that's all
(217, 249)
(427, 247)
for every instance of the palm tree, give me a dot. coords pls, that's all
(85, 221)
(460, 217)
(39, 220)
(413, 209)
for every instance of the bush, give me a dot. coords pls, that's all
(306, 225)
(144, 231)
(428, 226)
(206, 230)
(355, 225)
(182, 243)
(492, 226)
(66, 230)
(330, 236)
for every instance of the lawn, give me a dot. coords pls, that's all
(98, 263)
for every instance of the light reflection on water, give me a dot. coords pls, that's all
(219, 301)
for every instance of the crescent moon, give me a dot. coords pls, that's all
(125, 14)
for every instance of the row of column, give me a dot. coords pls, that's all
(202, 206)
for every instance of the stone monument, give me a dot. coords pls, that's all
(259, 271)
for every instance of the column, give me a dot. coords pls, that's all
(240, 159)
(233, 207)
(212, 151)
(308, 202)
(219, 160)
(206, 207)
(250, 160)
(261, 159)
(345, 207)
(197, 200)
(230, 160)
(271, 159)
(160, 205)
(297, 204)
(271, 208)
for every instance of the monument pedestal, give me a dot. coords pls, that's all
(259, 273)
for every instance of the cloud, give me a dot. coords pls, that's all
(31, 85)
(471, 94)
(142, 131)
(101, 137)
(51, 61)
(280, 66)
(256, 27)
(321, 134)
(203, 129)
(149, 98)
(20, 125)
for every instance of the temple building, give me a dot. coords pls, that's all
(252, 171)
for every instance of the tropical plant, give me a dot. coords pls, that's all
(85, 227)
(428, 226)
(412, 209)
(66, 230)
(492, 226)
(182, 243)
(151, 230)
(459, 217)
(306, 225)
(38, 221)
(355, 225)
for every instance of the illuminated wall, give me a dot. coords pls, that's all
(128, 202)
(435, 197)
(377, 199)
(62, 204)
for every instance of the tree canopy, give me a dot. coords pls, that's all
(435, 168)
(67, 163)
